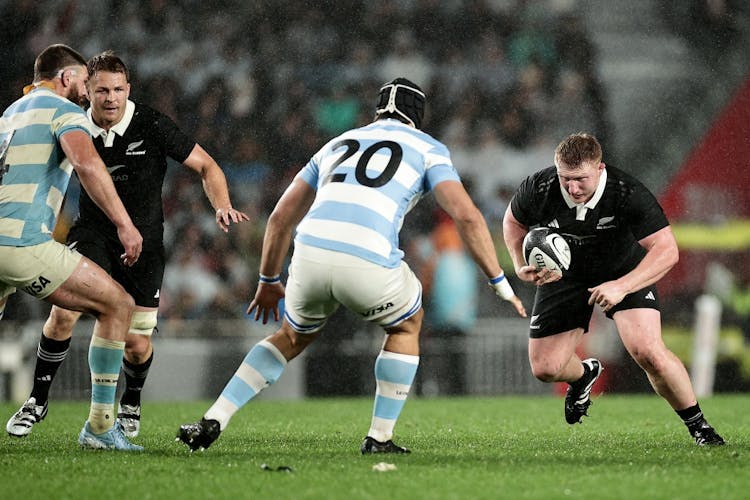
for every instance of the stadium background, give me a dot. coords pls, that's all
(261, 85)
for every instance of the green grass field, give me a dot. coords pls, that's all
(463, 448)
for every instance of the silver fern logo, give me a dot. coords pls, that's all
(130, 150)
(606, 223)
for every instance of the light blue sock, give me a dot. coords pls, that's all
(262, 366)
(394, 374)
(105, 357)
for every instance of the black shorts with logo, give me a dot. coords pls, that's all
(563, 305)
(142, 281)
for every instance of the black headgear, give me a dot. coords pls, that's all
(404, 98)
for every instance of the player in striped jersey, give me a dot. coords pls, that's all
(348, 204)
(51, 138)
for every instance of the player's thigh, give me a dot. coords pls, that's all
(385, 296)
(90, 289)
(640, 330)
(308, 301)
(553, 352)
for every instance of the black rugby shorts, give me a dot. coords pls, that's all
(142, 281)
(563, 306)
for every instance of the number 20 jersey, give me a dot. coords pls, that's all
(367, 179)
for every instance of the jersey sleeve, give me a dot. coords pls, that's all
(645, 214)
(177, 145)
(439, 167)
(311, 171)
(522, 204)
(69, 117)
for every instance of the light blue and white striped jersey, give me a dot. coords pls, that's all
(32, 190)
(367, 179)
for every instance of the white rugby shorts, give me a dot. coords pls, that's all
(320, 280)
(37, 270)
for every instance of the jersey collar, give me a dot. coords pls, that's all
(119, 128)
(582, 208)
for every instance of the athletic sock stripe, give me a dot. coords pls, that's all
(274, 350)
(387, 408)
(265, 359)
(381, 429)
(406, 358)
(392, 391)
(394, 371)
(52, 357)
(252, 377)
(238, 392)
(107, 344)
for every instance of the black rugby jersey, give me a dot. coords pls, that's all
(604, 244)
(137, 162)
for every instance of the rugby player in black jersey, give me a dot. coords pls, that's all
(621, 245)
(135, 142)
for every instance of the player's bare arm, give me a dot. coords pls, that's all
(513, 233)
(662, 254)
(453, 198)
(292, 206)
(215, 187)
(80, 151)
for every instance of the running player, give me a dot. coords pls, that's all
(621, 244)
(51, 138)
(135, 142)
(350, 201)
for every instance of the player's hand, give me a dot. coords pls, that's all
(544, 276)
(132, 243)
(607, 295)
(518, 305)
(225, 216)
(266, 300)
(527, 273)
(502, 289)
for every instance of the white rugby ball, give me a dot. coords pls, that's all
(544, 248)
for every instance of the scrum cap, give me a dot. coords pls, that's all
(403, 98)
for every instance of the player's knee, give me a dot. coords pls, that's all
(545, 371)
(143, 323)
(653, 362)
(137, 348)
(60, 322)
(122, 304)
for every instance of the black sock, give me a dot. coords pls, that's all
(692, 417)
(135, 378)
(49, 356)
(584, 377)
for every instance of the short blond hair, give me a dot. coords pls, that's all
(577, 149)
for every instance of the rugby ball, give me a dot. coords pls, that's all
(544, 248)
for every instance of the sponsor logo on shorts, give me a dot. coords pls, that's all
(37, 286)
(377, 310)
(650, 295)
(532, 324)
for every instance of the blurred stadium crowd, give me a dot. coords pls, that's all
(262, 85)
